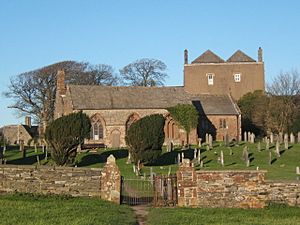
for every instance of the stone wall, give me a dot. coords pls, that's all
(50, 180)
(286, 192)
(232, 189)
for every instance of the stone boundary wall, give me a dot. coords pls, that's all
(232, 189)
(93, 182)
(286, 192)
(50, 180)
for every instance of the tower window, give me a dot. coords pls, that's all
(237, 77)
(210, 78)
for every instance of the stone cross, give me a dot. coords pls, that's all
(292, 138)
(271, 138)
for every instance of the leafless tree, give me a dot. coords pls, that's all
(144, 72)
(34, 92)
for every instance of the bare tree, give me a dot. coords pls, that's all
(283, 109)
(144, 72)
(34, 92)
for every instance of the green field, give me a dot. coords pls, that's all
(275, 215)
(21, 209)
(283, 168)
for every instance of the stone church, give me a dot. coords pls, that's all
(210, 84)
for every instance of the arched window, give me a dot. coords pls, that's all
(96, 128)
(170, 128)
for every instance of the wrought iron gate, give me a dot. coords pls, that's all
(165, 190)
(158, 190)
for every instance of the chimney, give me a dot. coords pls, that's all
(60, 82)
(260, 54)
(186, 57)
(28, 121)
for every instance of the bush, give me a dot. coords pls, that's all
(65, 134)
(145, 138)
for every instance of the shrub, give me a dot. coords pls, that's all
(65, 134)
(145, 138)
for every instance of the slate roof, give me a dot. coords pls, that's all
(215, 104)
(88, 97)
(208, 57)
(240, 56)
(132, 97)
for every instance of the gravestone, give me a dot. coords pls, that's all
(245, 155)
(178, 159)
(252, 138)
(270, 157)
(199, 156)
(249, 136)
(292, 138)
(267, 144)
(298, 170)
(210, 141)
(226, 139)
(206, 138)
(280, 137)
(195, 154)
(271, 138)
(222, 158)
(277, 148)
(199, 142)
(245, 136)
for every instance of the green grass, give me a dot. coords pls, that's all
(283, 168)
(275, 215)
(21, 209)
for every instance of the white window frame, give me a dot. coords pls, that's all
(237, 77)
(210, 78)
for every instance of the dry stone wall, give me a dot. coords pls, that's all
(50, 180)
(284, 192)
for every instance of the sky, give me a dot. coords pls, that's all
(35, 33)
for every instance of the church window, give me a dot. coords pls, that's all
(210, 78)
(97, 131)
(223, 123)
(237, 77)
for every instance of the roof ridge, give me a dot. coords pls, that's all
(208, 57)
(240, 56)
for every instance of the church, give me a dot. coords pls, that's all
(211, 84)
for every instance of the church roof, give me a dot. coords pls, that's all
(240, 56)
(208, 57)
(215, 104)
(88, 97)
(132, 97)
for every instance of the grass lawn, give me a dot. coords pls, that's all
(275, 215)
(283, 168)
(20, 209)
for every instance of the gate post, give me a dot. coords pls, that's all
(187, 184)
(111, 181)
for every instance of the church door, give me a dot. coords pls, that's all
(115, 136)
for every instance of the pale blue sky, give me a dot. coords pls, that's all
(35, 33)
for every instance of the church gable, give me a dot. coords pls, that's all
(240, 56)
(208, 57)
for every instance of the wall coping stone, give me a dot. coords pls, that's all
(231, 171)
(49, 167)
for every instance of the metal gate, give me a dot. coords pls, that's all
(165, 190)
(137, 191)
(158, 190)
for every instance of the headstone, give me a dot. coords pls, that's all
(169, 172)
(207, 148)
(43, 148)
(195, 153)
(298, 170)
(280, 137)
(178, 159)
(199, 156)
(249, 136)
(21, 146)
(35, 147)
(270, 157)
(245, 155)
(199, 142)
(258, 146)
(292, 138)
(286, 137)
(210, 141)
(252, 138)
(245, 136)
(201, 164)
(4, 148)
(277, 148)
(268, 144)
(248, 162)
(226, 139)
(182, 156)
(38, 160)
(222, 158)
(46, 153)
(206, 138)
(128, 158)
(271, 138)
